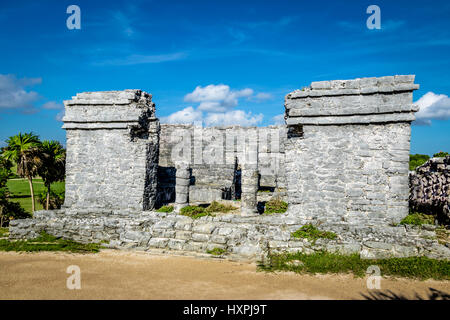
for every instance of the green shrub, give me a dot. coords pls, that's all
(416, 160)
(440, 154)
(418, 219)
(194, 212)
(325, 262)
(56, 199)
(219, 207)
(165, 209)
(275, 206)
(310, 232)
(4, 232)
(216, 251)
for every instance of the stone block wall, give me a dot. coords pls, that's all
(430, 188)
(347, 151)
(112, 150)
(242, 238)
(215, 155)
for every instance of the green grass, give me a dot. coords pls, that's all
(219, 207)
(275, 206)
(216, 251)
(46, 242)
(418, 219)
(194, 212)
(310, 232)
(20, 191)
(165, 209)
(324, 262)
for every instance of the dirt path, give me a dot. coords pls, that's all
(130, 275)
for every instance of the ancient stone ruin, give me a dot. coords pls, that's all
(429, 188)
(341, 163)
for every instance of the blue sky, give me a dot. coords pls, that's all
(246, 55)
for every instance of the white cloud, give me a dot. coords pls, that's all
(60, 115)
(52, 105)
(234, 117)
(217, 98)
(278, 119)
(187, 116)
(13, 93)
(135, 59)
(432, 107)
(263, 96)
(216, 107)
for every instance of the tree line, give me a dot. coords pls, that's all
(416, 160)
(33, 157)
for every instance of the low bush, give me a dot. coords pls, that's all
(219, 207)
(216, 251)
(440, 154)
(56, 199)
(4, 232)
(310, 232)
(165, 209)
(418, 219)
(275, 206)
(194, 212)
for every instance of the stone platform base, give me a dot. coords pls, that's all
(244, 238)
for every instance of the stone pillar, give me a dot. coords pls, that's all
(249, 177)
(112, 151)
(182, 181)
(347, 150)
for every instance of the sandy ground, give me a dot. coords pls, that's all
(132, 275)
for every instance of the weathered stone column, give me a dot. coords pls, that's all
(347, 151)
(182, 181)
(112, 151)
(249, 177)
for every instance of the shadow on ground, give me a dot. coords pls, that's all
(434, 294)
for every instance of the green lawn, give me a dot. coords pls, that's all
(324, 262)
(46, 242)
(20, 191)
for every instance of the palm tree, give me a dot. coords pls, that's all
(23, 149)
(53, 166)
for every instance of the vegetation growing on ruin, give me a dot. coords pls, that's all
(440, 154)
(310, 232)
(216, 251)
(275, 206)
(165, 209)
(324, 262)
(416, 160)
(219, 207)
(194, 212)
(46, 242)
(418, 219)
